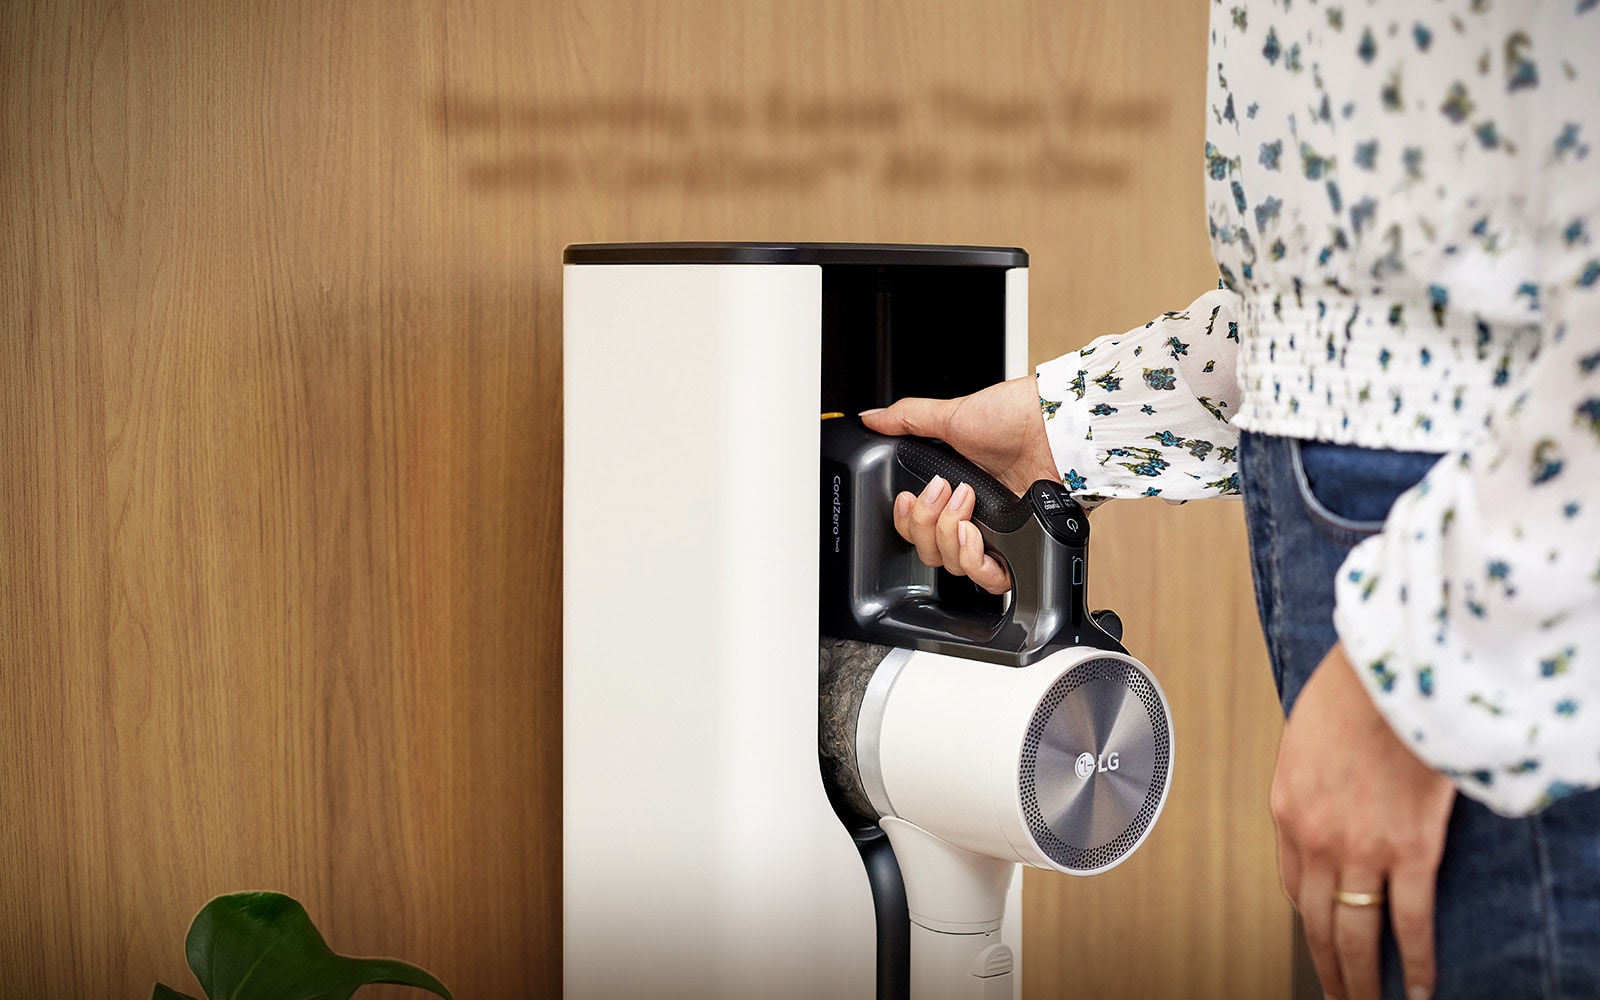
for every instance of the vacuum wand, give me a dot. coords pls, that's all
(958, 741)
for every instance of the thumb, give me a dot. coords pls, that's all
(919, 417)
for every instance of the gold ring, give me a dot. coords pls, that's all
(1360, 898)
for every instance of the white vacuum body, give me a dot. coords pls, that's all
(1063, 764)
(972, 767)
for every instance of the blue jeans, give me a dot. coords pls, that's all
(1518, 899)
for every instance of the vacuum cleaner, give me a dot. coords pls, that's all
(703, 856)
(961, 735)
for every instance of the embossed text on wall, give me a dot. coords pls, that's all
(780, 141)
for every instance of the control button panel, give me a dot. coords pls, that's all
(1063, 517)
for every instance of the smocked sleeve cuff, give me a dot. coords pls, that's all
(1066, 418)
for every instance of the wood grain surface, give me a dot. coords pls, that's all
(280, 437)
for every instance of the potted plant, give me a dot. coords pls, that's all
(263, 946)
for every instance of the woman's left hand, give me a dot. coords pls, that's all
(1358, 813)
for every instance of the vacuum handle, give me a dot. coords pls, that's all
(995, 505)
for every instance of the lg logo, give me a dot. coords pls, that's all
(1087, 764)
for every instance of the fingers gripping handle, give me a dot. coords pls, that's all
(995, 505)
(875, 588)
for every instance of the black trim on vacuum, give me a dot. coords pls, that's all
(891, 912)
(883, 254)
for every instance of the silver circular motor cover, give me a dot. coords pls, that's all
(1063, 764)
(1106, 714)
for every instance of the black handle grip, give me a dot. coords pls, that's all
(995, 506)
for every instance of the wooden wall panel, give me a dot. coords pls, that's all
(280, 436)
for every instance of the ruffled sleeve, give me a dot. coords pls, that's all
(1474, 617)
(1146, 413)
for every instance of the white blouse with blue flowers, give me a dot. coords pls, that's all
(1404, 203)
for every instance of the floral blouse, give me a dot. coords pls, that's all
(1403, 203)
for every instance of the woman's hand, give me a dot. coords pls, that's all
(1357, 813)
(1001, 429)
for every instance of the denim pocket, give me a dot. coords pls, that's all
(1347, 491)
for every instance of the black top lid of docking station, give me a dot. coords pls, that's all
(899, 254)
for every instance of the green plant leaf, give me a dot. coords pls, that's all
(164, 992)
(263, 946)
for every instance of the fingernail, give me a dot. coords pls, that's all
(902, 504)
(1417, 993)
(875, 409)
(960, 495)
(961, 533)
(933, 491)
